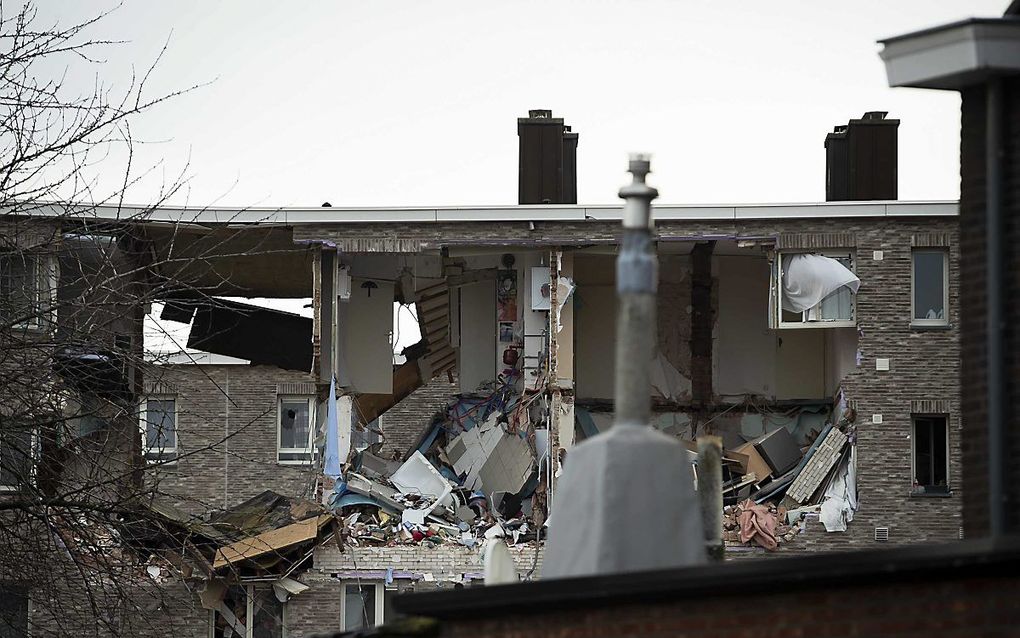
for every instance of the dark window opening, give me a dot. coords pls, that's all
(13, 611)
(931, 458)
(19, 289)
(15, 457)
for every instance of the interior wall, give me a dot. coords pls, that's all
(673, 312)
(594, 326)
(477, 352)
(749, 358)
(745, 352)
(800, 363)
(366, 326)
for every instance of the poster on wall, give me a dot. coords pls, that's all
(506, 296)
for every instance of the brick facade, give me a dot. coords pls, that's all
(924, 371)
(227, 434)
(972, 266)
(403, 423)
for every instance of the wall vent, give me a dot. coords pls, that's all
(881, 534)
(961, 532)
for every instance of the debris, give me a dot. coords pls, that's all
(779, 449)
(755, 463)
(840, 499)
(817, 468)
(757, 523)
(419, 478)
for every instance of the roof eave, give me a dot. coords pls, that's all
(954, 55)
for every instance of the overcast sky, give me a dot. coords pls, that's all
(415, 103)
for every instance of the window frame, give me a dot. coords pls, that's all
(44, 290)
(310, 449)
(33, 457)
(380, 600)
(776, 320)
(944, 321)
(921, 490)
(250, 591)
(163, 455)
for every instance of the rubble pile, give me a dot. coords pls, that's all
(771, 484)
(476, 473)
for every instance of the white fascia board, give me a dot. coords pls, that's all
(821, 210)
(681, 213)
(510, 213)
(954, 55)
(359, 215)
(922, 209)
(565, 213)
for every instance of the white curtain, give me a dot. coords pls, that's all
(810, 279)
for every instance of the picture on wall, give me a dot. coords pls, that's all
(506, 295)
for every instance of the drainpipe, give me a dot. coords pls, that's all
(636, 275)
(993, 291)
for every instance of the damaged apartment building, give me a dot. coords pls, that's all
(318, 473)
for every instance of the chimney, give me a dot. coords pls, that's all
(860, 159)
(548, 160)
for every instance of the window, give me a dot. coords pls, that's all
(13, 611)
(294, 441)
(366, 604)
(249, 611)
(21, 286)
(365, 436)
(929, 287)
(826, 280)
(15, 457)
(159, 422)
(931, 458)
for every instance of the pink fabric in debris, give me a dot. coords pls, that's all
(757, 524)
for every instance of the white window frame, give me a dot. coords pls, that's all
(380, 600)
(776, 292)
(913, 453)
(944, 321)
(250, 592)
(163, 455)
(44, 292)
(309, 450)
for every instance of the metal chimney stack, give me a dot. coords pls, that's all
(625, 501)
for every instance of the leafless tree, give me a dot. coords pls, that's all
(77, 524)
